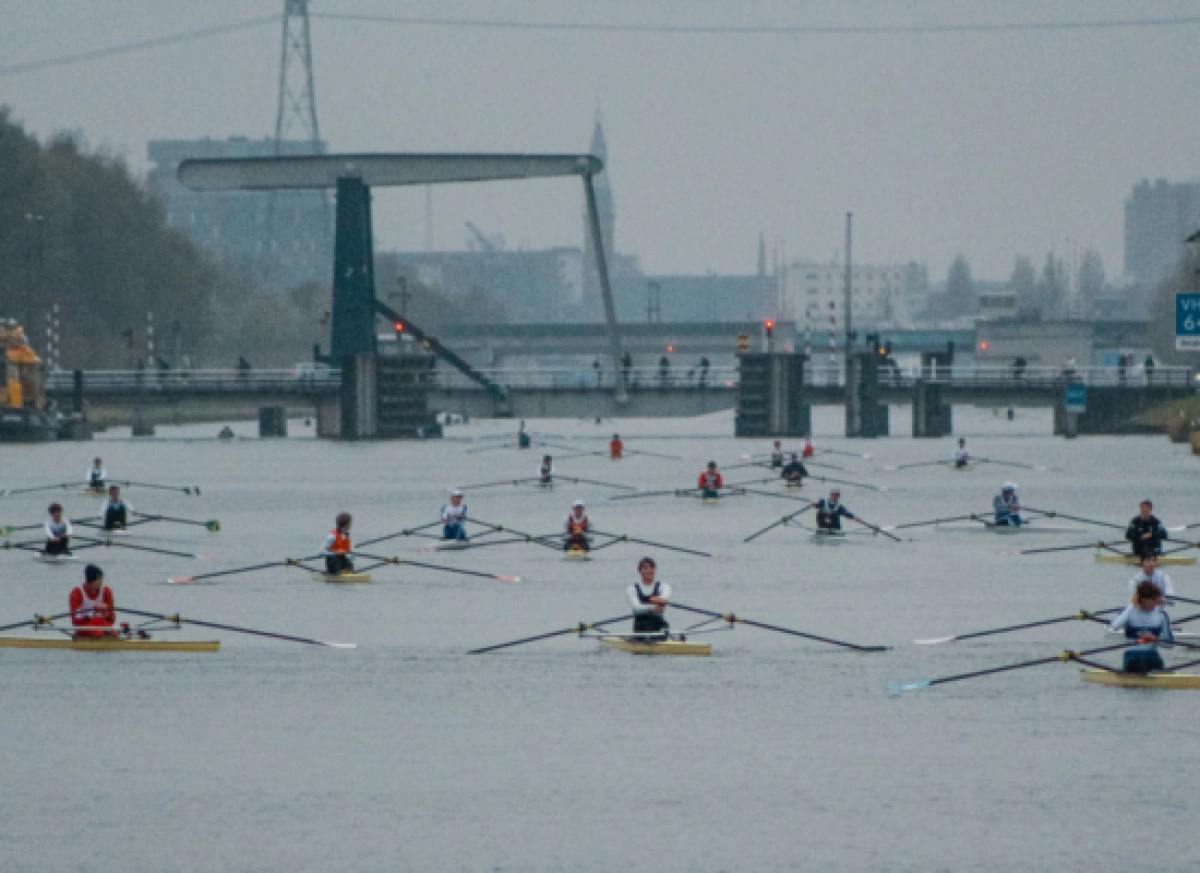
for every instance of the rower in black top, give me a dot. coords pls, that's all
(795, 471)
(831, 512)
(1145, 532)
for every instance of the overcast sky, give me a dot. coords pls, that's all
(986, 143)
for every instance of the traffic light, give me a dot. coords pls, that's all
(770, 325)
(399, 325)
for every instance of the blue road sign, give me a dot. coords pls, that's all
(1187, 321)
(1075, 397)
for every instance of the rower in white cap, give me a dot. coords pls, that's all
(831, 512)
(1007, 506)
(577, 529)
(454, 514)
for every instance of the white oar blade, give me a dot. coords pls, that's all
(501, 578)
(934, 642)
(910, 686)
(339, 645)
(180, 580)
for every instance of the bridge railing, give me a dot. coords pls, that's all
(1046, 378)
(223, 381)
(576, 378)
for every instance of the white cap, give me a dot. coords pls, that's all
(1009, 486)
(578, 503)
(456, 493)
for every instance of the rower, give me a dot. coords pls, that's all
(795, 471)
(616, 448)
(546, 471)
(710, 482)
(453, 515)
(1156, 577)
(649, 598)
(336, 550)
(523, 441)
(1145, 532)
(809, 451)
(777, 456)
(962, 457)
(114, 514)
(1007, 506)
(577, 528)
(1149, 625)
(226, 433)
(831, 512)
(58, 532)
(92, 604)
(96, 476)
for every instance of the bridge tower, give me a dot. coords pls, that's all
(296, 108)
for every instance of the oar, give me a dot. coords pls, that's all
(402, 533)
(933, 522)
(190, 490)
(918, 464)
(622, 538)
(213, 525)
(785, 520)
(1082, 615)
(497, 576)
(179, 619)
(865, 457)
(595, 482)
(1092, 545)
(577, 629)
(5, 531)
(879, 530)
(286, 562)
(762, 493)
(8, 492)
(37, 619)
(1050, 513)
(499, 528)
(644, 494)
(1009, 464)
(140, 548)
(732, 619)
(498, 482)
(648, 454)
(1062, 656)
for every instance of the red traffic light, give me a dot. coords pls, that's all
(399, 325)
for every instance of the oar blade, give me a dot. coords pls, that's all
(909, 686)
(937, 641)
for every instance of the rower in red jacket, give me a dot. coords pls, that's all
(616, 447)
(710, 482)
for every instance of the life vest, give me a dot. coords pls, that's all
(91, 607)
(642, 596)
(710, 481)
(341, 543)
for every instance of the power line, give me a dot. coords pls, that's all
(763, 30)
(131, 47)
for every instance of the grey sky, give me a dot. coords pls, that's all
(984, 143)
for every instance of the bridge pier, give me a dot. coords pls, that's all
(932, 415)
(866, 414)
(771, 396)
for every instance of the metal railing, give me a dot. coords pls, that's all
(304, 381)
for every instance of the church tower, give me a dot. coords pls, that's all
(608, 220)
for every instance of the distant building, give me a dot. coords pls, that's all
(233, 225)
(1158, 216)
(813, 293)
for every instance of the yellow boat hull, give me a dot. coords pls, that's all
(1136, 680)
(342, 578)
(109, 644)
(577, 555)
(1133, 561)
(660, 647)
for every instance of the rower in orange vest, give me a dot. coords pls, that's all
(809, 451)
(337, 548)
(616, 447)
(710, 481)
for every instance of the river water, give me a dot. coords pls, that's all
(774, 754)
